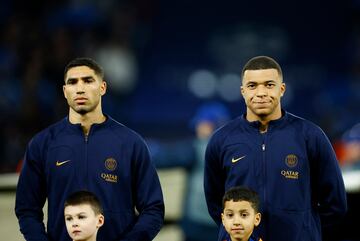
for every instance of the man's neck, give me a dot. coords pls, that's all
(264, 120)
(86, 120)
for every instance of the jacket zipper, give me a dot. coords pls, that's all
(263, 148)
(86, 159)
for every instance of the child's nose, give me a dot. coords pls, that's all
(237, 220)
(75, 224)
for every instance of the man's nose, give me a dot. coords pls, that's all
(261, 90)
(80, 87)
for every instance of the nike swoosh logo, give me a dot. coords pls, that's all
(237, 159)
(61, 163)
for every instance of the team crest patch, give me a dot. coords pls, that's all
(110, 164)
(291, 160)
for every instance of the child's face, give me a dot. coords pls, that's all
(81, 222)
(239, 219)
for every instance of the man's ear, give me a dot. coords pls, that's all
(103, 88)
(257, 219)
(282, 89)
(64, 86)
(242, 90)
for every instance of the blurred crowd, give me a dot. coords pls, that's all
(162, 60)
(39, 38)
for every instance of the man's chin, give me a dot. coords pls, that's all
(262, 112)
(81, 111)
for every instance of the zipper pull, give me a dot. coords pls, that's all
(263, 147)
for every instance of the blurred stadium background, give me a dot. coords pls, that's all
(163, 59)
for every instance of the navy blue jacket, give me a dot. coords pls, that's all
(113, 162)
(293, 168)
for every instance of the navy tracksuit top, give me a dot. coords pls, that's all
(293, 168)
(113, 162)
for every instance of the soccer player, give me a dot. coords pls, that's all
(288, 160)
(88, 150)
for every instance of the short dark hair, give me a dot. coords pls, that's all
(242, 193)
(261, 62)
(84, 61)
(84, 197)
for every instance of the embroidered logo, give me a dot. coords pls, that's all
(291, 160)
(110, 164)
(58, 163)
(233, 160)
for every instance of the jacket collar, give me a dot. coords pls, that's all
(272, 123)
(77, 127)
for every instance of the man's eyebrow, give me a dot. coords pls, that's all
(83, 78)
(261, 82)
(87, 77)
(251, 82)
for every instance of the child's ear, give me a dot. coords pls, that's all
(257, 219)
(222, 218)
(101, 220)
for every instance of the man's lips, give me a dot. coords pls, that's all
(261, 102)
(80, 100)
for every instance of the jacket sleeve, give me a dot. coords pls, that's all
(214, 181)
(328, 188)
(147, 195)
(31, 196)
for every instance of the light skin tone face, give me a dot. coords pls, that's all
(83, 90)
(262, 91)
(239, 219)
(82, 223)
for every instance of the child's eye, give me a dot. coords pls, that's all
(68, 218)
(244, 215)
(229, 215)
(82, 216)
